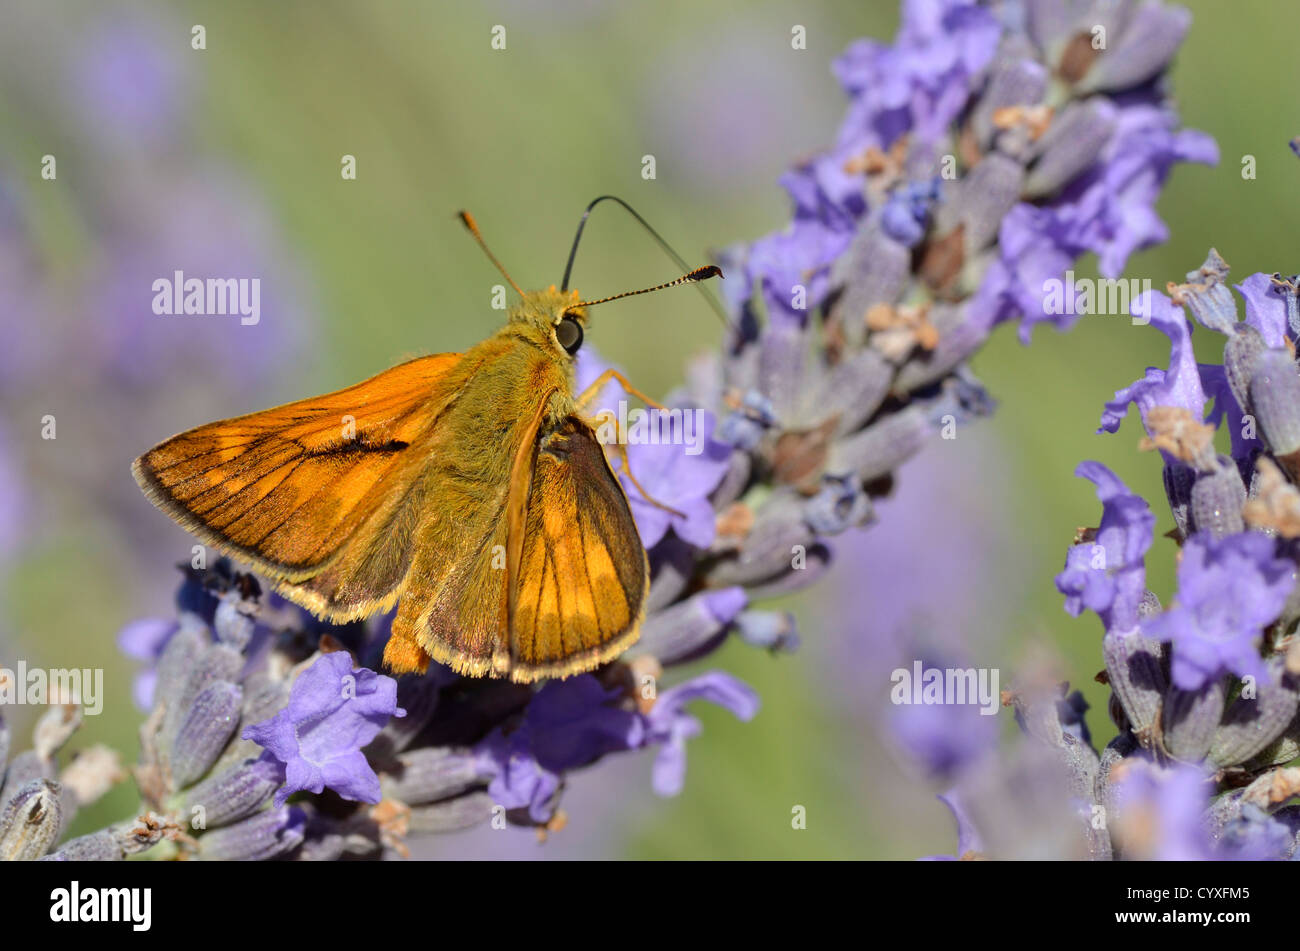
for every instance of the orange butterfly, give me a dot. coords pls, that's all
(468, 487)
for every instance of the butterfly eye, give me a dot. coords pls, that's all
(568, 334)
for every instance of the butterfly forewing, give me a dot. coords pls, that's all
(322, 494)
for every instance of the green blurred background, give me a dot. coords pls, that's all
(524, 138)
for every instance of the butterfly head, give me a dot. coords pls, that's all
(554, 316)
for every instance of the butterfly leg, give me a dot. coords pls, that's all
(589, 395)
(620, 450)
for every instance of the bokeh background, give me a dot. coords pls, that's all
(226, 162)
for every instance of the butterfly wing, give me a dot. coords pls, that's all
(323, 496)
(572, 557)
(583, 572)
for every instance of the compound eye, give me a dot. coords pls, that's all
(568, 334)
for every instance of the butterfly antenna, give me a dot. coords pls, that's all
(468, 221)
(694, 277)
(663, 245)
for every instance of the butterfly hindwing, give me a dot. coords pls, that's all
(583, 573)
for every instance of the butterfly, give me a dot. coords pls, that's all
(468, 489)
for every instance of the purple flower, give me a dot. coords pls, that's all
(669, 725)
(907, 211)
(1254, 835)
(1228, 590)
(1035, 246)
(1108, 575)
(518, 780)
(969, 842)
(1266, 309)
(800, 256)
(1162, 812)
(1179, 386)
(1226, 410)
(573, 722)
(1115, 201)
(922, 81)
(333, 712)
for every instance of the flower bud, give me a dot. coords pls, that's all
(1147, 41)
(815, 560)
(205, 731)
(841, 504)
(430, 774)
(1240, 354)
(782, 356)
(770, 630)
(1207, 295)
(959, 337)
(101, 846)
(1012, 82)
(267, 834)
(1216, 500)
(452, 815)
(1275, 398)
(882, 447)
(691, 626)
(213, 664)
(26, 767)
(1070, 145)
(875, 270)
(233, 793)
(1190, 719)
(1133, 668)
(1179, 479)
(233, 623)
(852, 390)
(671, 569)
(736, 479)
(31, 821)
(982, 199)
(1251, 725)
(778, 534)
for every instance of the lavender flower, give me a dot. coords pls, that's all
(1206, 690)
(969, 845)
(1105, 573)
(1229, 590)
(333, 712)
(669, 725)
